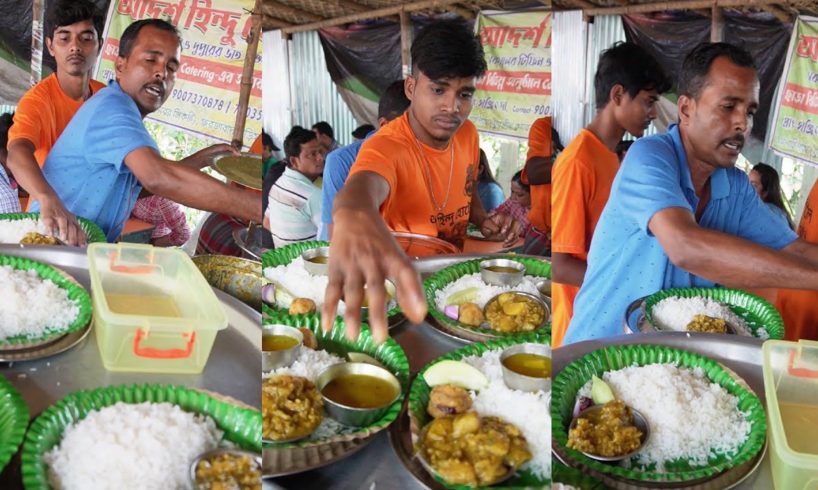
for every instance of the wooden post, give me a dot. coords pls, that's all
(247, 77)
(405, 43)
(37, 41)
(716, 25)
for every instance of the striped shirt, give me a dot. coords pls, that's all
(9, 201)
(294, 209)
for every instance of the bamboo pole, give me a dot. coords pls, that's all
(374, 14)
(247, 77)
(681, 5)
(716, 25)
(405, 44)
(37, 40)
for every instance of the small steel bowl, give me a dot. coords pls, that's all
(315, 268)
(639, 421)
(280, 358)
(536, 299)
(502, 278)
(216, 452)
(544, 287)
(517, 381)
(356, 417)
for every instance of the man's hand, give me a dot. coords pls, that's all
(501, 227)
(204, 157)
(60, 222)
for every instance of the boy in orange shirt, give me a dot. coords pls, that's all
(537, 173)
(627, 84)
(417, 174)
(800, 307)
(73, 35)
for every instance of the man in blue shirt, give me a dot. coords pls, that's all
(105, 155)
(336, 168)
(680, 214)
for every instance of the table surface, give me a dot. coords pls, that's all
(232, 368)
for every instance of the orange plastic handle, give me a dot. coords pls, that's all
(155, 353)
(800, 372)
(131, 269)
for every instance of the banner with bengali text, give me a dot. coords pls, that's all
(205, 98)
(795, 128)
(516, 89)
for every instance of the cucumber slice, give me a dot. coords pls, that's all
(456, 373)
(468, 295)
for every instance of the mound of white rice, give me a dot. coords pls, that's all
(677, 313)
(487, 291)
(12, 231)
(136, 446)
(527, 411)
(29, 304)
(689, 417)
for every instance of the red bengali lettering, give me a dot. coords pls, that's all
(807, 47)
(800, 98)
(516, 82)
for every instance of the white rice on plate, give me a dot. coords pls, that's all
(676, 313)
(487, 291)
(143, 446)
(689, 416)
(12, 231)
(527, 411)
(31, 306)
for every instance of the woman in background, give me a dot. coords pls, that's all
(765, 181)
(490, 192)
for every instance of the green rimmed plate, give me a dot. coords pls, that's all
(419, 399)
(446, 276)
(240, 425)
(75, 292)
(13, 421)
(569, 381)
(755, 311)
(93, 233)
(284, 255)
(390, 354)
(572, 476)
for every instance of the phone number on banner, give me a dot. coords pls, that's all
(214, 103)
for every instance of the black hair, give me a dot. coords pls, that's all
(362, 130)
(485, 174)
(518, 179)
(696, 65)
(6, 120)
(771, 186)
(266, 140)
(393, 102)
(324, 128)
(622, 147)
(555, 141)
(297, 137)
(629, 65)
(128, 38)
(448, 49)
(63, 13)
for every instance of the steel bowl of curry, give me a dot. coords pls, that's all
(316, 261)
(225, 468)
(502, 272)
(280, 345)
(527, 367)
(609, 432)
(356, 393)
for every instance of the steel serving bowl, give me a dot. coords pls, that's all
(532, 297)
(316, 268)
(517, 381)
(639, 421)
(195, 485)
(356, 417)
(502, 278)
(280, 358)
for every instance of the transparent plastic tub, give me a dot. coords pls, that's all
(153, 310)
(791, 386)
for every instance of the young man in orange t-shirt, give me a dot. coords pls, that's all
(798, 307)
(537, 173)
(417, 174)
(73, 35)
(627, 84)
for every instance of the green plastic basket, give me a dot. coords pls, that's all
(285, 255)
(420, 392)
(390, 354)
(569, 381)
(13, 421)
(240, 425)
(93, 233)
(755, 311)
(444, 277)
(75, 292)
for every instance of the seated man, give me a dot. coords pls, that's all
(338, 164)
(680, 214)
(294, 207)
(105, 155)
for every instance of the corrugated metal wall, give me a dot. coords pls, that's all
(314, 96)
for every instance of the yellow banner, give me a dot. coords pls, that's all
(516, 89)
(205, 98)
